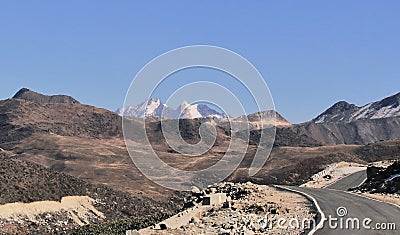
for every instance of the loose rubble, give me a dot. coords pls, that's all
(382, 180)
(382, 183)
(247, 209)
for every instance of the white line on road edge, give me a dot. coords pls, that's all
(360, 195)
(323, 218)
(366, 197)
(362, 182)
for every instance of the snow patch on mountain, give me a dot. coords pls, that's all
(361, 113)
(345, 112)
(191, 112)
(371, 111)
(154, 107)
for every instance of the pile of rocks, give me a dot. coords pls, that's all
(249, 209)
(230, 190)
(45, 223)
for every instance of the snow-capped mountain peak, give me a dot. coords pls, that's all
(189, 111)
(151, 107)
(154, 107)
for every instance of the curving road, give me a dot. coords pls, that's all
(358, 208)
(350, 181)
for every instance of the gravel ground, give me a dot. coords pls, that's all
(255, 211)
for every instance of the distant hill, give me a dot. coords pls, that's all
(346, 123)
(29, 95)
(32, 112)
(343, 123)
(344, 112)
(263, 119)
(363, 131)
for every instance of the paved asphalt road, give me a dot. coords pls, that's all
(350, 181)
(329, 199)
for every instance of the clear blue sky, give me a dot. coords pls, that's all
(311, 53)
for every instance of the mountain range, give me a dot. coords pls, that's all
(342, 123)
(153, 107)
(44, 135)
(340, 112)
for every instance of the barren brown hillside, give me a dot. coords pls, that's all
(67, 148)
(87, 142)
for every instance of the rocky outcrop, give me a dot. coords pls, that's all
(382, 180)
(27, 94)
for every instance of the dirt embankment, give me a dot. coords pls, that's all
(80, 209)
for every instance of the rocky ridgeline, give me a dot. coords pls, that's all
(27, 94)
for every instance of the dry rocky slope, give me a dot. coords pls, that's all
(363, 131)
(23, 181)
(57, 145)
